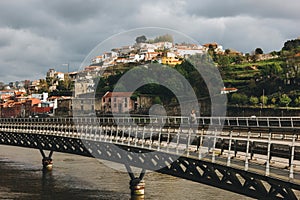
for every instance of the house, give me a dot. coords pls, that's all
(85, 104)
(217, 48)
(228, 90)
(14, 109)
(125, 50)
(64, 107)
(183, 51)
(117, 102)
(152, 56)
(163, 45)
(171, 59)
(51, 73)
(97, 59)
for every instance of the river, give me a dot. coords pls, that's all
(77, 177)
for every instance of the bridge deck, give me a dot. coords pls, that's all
(268, 147)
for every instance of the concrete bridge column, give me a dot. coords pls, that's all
(136, 184)
(47, 160)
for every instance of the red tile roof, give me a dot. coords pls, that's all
(297, 55)
(35, 101)
(118, 94)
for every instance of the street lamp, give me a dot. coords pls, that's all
(261, 105)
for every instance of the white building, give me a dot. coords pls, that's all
(182, 52)
(163, 45)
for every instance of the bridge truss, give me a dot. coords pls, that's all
(112, 142)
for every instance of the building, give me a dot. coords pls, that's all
(117, 102)
(228, 90)
(187, 51)
(171, 59)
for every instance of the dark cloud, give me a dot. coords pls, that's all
(230, 8)
(36, 35)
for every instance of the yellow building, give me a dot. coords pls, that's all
(171, 59)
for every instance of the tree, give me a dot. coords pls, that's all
(273, 100)
(237, 98)
(43, 86)
(253, 100)
(164, 38)
(157, 100)
(141, 39)
(227, 51)
(258, 51)
(291, 45)
(263, 99)
(297, 101)
(284, 100)
(223, 61)
(2, 85)
(276, 69)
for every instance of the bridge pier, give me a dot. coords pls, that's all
(136, 184)
(47, 160)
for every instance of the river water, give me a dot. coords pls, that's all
(77, 177)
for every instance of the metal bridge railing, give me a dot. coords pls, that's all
(176, 135)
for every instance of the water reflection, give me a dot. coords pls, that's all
(47, 182)
(75, 177)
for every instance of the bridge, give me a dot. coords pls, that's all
(254, 156)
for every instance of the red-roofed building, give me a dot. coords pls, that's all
(12, 109)
(297, 55)
(35, 101)
(228, 90)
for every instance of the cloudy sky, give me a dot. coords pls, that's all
(36, 35)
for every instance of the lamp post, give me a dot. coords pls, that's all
(261, 106)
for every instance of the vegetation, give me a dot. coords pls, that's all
(270, 82)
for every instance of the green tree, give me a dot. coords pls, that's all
(258, 51)
(164, 38)
(238, 98)
(291, 45)
(2, 85)
(227, 51)
(141, 39)
(43, 86)
(284, 100)
(263, 100)
(276, 69)
(297, 101)
(253, 100)
(157, 100)
(273, 100)
(223, 60)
